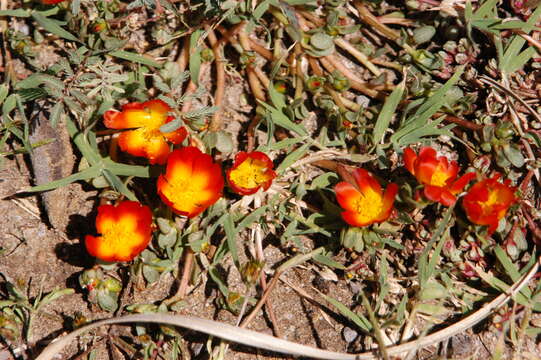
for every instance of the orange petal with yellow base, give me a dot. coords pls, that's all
(488, 201)
(437, 174)
(146, 138)
(365, 204)
(124, 231)
(250, 172)
(192, 182)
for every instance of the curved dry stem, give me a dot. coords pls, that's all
(367, 17)
(252, 338)
(260, 49)
(331, 63)
(216, 122)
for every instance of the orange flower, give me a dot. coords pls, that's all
(146, 140)
(125, 230)
(437, 175)
(192, 182)
(250, 172)
(365, 203)
(487, 202)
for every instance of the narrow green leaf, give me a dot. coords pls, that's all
(56, 113)
(230, 234)
(486, 9)
(280, 119)
(79, 139)
(37, 79)
(195, 56)
(215, 276)
(252, 217)
(118, 185)
(326, 260)
(386, 114)
(15, 13)
(426, 266)
(86, 174)
(9, 104)
(52, 27)
(357, 319)
(125, 169)
(292, 157)
(55, 294)
(4, 91)
(510, 268)
(136, 58)
(171, 126)
(277, 99)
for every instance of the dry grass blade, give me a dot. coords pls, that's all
(267, 342)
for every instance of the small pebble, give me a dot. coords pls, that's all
(349, 334)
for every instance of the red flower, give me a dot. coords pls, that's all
(125, 230)
(365, 204)
(487, 202)
(437, 175)
(192, 182)
(51, 2)
(250, 172)
(146, 140)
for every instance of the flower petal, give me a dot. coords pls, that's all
(125, 231)
(409, 160)
(192, 182)
(461, 183)
(447, 198)
(433, 193)
(177, 136)
(355, 219)
(347, 195)
(388, 202)
(366, 182)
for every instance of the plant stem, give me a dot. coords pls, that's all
(216, 122)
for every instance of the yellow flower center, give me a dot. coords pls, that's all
(183, 193)
(439, 178)
(369, 205)
(493, 197)
(119, 236)
(250, 174)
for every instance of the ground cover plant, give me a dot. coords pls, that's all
(356, 176)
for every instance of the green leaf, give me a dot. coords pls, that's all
(171, 126)
(426, 266)
(357, 319)
(151, 274)
(52, 27)
(292, 157)
(56, 113)
(387, 112)
(15, 13)
(9, 104)
(280, 119)
(230, 234)
(32, 94)
(136, 58)
(321, 41)
(55, 294)
(195, 56)
(37, 79)
(85, 174)
(107, 302)
(118, 185)
(252, 217)
(4, 91)
(326, 260)
(418, 126)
